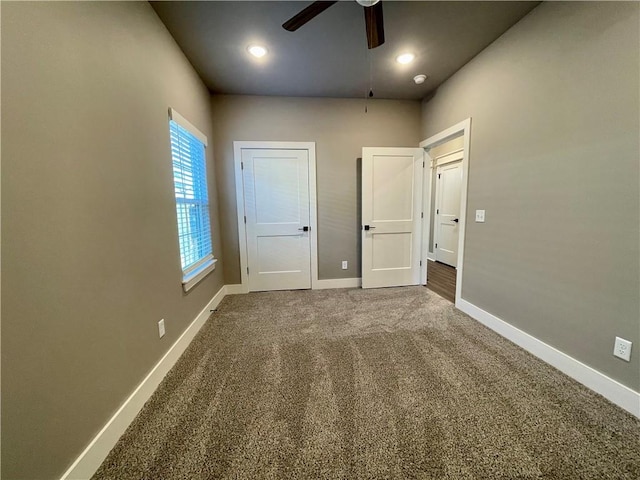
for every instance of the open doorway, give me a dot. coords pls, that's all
(446, 155)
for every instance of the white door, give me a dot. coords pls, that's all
(448, 184)
(391, 216)
(276, 199)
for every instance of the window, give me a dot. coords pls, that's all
(192, 200)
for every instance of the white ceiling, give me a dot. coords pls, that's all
(328, 57)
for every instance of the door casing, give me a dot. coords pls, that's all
(463, 127)
(238, 146)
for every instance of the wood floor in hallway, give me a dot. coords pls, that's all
(441, 279)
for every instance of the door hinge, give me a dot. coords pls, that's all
(241, 165)
(438, 210)
(439, 175)
(421, 214)
(247, 270)
(420, 262)
(436, 245)
(423, 164)
(245, 219)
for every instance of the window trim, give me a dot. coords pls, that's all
(198, 271)
(187, 125)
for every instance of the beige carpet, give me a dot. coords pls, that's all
(387, 383)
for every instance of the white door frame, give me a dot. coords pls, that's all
(310, 147)
(463, 127)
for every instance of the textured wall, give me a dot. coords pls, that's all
(90, 258)
(554, 161)
(340, 128)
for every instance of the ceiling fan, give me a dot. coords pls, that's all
(372, 18)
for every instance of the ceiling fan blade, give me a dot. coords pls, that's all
(316, 8)
(375, 26)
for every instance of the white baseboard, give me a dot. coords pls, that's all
(337, 283)
(92, 457)
(612, 390)
(235, 289)
(315, 285)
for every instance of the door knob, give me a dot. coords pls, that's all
(368, 227)
(304, 229)
(456, 220)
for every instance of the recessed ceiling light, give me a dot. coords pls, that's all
(405, 58)
(419, 79)
(257, 50)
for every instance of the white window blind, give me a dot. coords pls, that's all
(192, 202)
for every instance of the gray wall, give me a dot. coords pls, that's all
(340, 128)
(554, 161)
(90, 251)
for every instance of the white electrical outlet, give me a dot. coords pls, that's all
(161, 328)
(622, 349)
(345, 264)
(479, 216)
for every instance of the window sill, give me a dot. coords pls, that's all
(194, 277)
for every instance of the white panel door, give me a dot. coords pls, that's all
(391, 216)
(448, 185)
(276, 189)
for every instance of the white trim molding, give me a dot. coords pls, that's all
(448, 157)
(310, 147)
(612, 390)
(462, 128)
(234, 289)
(192, 278)
(338, 283)
(94, 454)
(187, 125)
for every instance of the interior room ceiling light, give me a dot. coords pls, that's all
(405, 58)
(419, 79)
(257, 50)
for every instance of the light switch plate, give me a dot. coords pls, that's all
(480, 216)
(345, 264)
